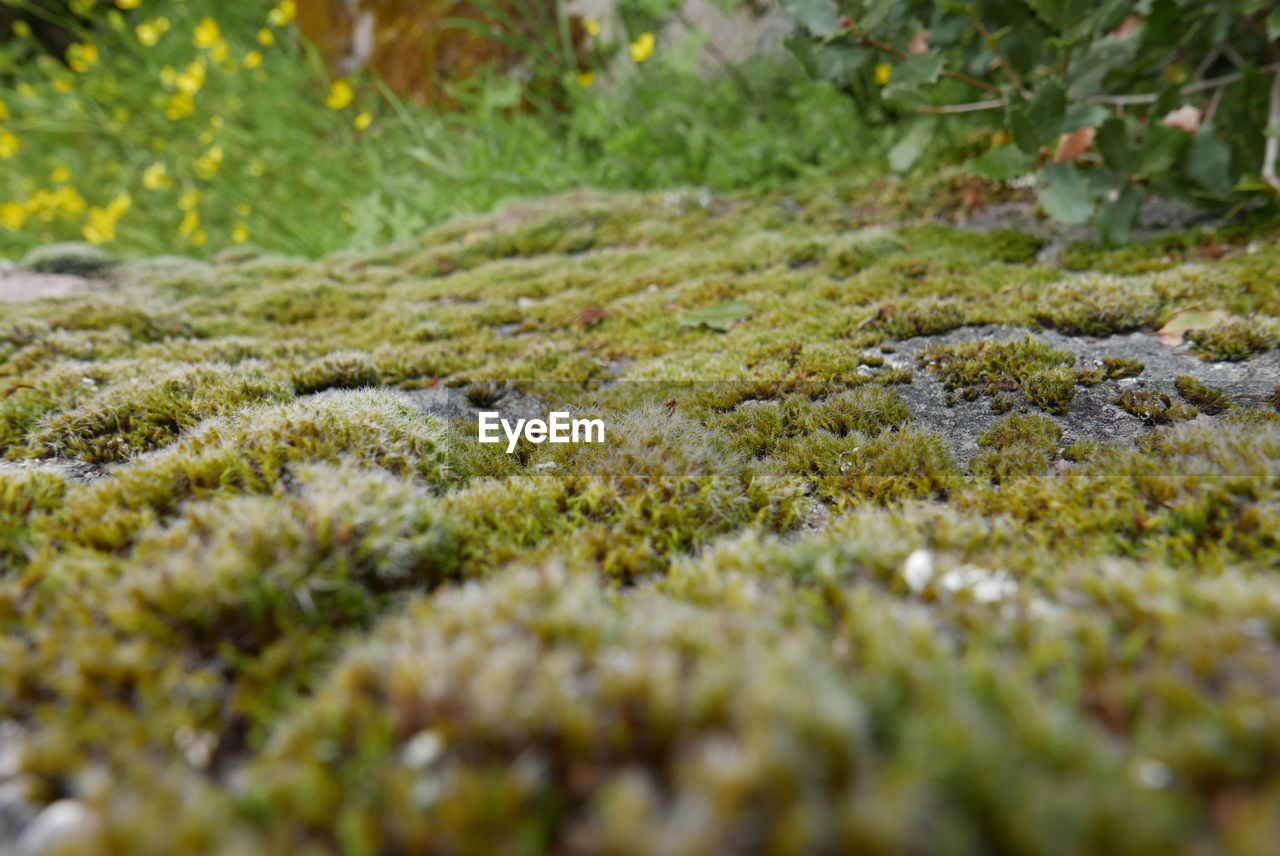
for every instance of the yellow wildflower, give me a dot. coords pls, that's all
(253, 59)
(192, 80)
(60, 175)
(180, 106)
(220, 51)
(642, 48)
(363, 120)
(128, 4)
(9, 144)
(82, 57)
(240, 233)
(198, 239)
(207, 164)
(101, 226)
(63, 85)
(586, 78)
(189, 224)
(284, 13)
(266, 38)
(207, 34)
(592, 26)
(150, 32)
(12, 216)
(883, 72)
(4, 110)
(340, 95)
(156, 176)
(69, 202)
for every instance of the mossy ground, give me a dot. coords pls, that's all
(298, 615)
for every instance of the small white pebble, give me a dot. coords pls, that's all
(422, 750)
(66, 825)
(918, 570)
(1150, 773)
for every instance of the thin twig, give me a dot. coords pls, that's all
(1273, 143)
(972, 107)
(1202, 86)
(986, 37)
(868, 42)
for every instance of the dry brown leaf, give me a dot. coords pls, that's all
(1177, 327)
(1186, 118)
(590, 317)
(1071, 146)
(919, 44)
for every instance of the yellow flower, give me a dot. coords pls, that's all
(82, 57)
(240, 233)
(4, 110)
(642, 48)
(9, 145)
(586, 78)
(284, 13)
(253, 59)
(591, 26)
(192, 80)
(60, 175)
(189, 200)
(266, 38)
(156, 176)
(207, 34)
(208, 163)
(12, 216)
(198, 239)
(340, 95)
(149, 32)
(101, 226)
(181, 105)
(883, 72)
(363, 120)
(189, 223)
(128, 4)
(220, 51)
(70, 202)
(63, 85)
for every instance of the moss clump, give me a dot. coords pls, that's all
(255, 452)
(27, 498)
(1152, 407)
(926, 317)
(144, 413)
(760, 428)
(1018, 445)
(1231, 340)
(1095, 305)
(1039, 372)
(1205, 398)
(341, 370)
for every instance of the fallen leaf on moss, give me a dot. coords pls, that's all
(1071, 146)
(590, 317)
(1177, 327)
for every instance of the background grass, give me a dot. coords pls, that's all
(188, 127)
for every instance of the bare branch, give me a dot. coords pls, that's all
(1202, 86)
(972, 107)
(868, 42)
(1273, 143)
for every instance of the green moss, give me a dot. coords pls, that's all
(1153, 407)
(1099, 305)
(1039, 372)
(1231, 340)
(1206, 399)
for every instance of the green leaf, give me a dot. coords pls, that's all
(1161, 149)
(1116, 217)
(719, 316)
(921, 69)
(1001, 163)
(817, 16)
(1037, 122)
(908, 150)
(1116, 147)
(1084, 115)
(1209, 162)
(1067, 198)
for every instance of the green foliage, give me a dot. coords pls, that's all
(1102, 103)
